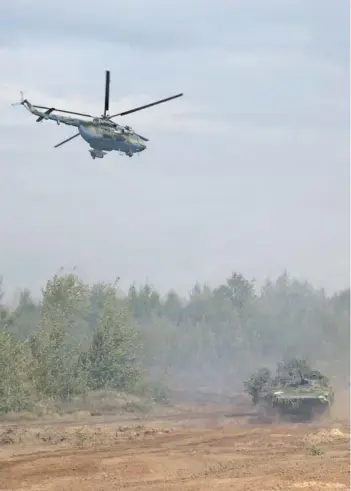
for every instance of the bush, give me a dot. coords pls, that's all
(16, 391)
(111, 360)
(56, 371)
(160, 393)
(257, 382)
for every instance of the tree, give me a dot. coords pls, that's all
(144, 302)
(240, 291)
(56, 370)
(111, 360)
(341, 301)
(16, 393)
(257, 383)
(26, 316)
(5, 315)
(172, 307)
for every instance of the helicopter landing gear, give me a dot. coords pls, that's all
(97, 154)
(129, 153)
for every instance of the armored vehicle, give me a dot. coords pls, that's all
(296, 393)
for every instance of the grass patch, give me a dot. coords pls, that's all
(97, 403)
(316, 450)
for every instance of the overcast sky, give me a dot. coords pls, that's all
(249, 171)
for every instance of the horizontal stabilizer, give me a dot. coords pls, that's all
(49, 111)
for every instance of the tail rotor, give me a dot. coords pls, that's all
(21, 102)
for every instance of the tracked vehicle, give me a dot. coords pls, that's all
(299, 394)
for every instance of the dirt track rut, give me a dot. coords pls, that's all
(217, 454)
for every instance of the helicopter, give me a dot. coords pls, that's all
(101, 133)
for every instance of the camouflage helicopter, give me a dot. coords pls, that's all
(101, 133)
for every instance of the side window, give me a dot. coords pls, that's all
(107, 134)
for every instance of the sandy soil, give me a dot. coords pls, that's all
(195, 448)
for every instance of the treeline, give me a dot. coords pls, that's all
(78, 338)
(82, 337)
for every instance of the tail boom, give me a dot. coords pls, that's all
(47, 114)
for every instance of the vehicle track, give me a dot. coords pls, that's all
(150, 456)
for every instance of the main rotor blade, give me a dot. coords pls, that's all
(64, 111)
(142, 137)
(68, 139)
(146, 106)
(107, 92)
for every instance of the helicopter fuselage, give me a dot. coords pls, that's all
(108, 138)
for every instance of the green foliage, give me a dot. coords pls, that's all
(160, 393)
(110, 361)
(56, 372)
(257, 383)
(81, 337)
(15, 388)
(315, 450)
(65, 298)
(56, 369)
(5, 314)
(26, 316)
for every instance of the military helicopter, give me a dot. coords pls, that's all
(102, 134)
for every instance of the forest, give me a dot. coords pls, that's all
(80, 338)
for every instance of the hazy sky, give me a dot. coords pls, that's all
(249, 171)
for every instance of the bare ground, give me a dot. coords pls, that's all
(194, 447)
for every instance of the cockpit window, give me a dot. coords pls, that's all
(106, 134)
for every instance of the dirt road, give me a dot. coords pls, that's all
(211, 452)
